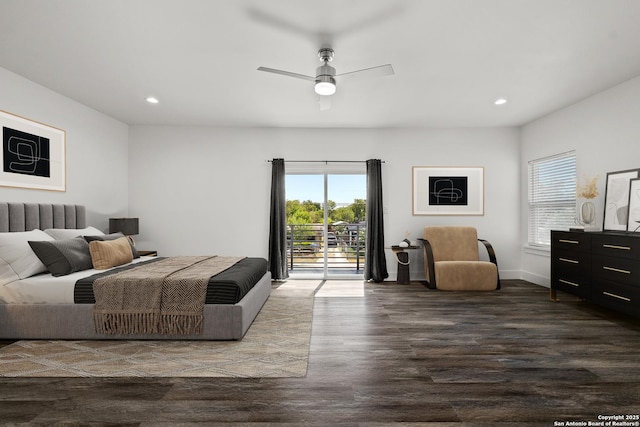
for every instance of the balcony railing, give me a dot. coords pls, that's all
(344, 246)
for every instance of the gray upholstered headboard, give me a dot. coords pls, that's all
(28, 216)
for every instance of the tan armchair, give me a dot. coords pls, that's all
(452, 261)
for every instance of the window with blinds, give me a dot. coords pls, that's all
(552, 196)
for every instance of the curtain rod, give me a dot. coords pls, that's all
(325, 161)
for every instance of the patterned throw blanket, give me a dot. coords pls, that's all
(165, 297)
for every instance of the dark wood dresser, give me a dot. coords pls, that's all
(602, 267)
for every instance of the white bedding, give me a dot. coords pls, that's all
(45, 288)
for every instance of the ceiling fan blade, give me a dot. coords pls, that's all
(379, 71)
(325, 103)
(287, 73)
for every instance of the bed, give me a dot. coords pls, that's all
(60, 308)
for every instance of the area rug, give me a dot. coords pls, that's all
(276, 345)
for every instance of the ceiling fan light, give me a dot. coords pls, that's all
(325, 88)
(325, 85)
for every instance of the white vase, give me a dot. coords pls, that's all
(587, 213)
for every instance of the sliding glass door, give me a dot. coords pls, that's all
(326, 224)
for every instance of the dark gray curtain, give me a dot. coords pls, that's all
(375, 265)
(278, 223)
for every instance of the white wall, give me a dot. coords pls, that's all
(604, 130)
(206, 190)
(96, 145)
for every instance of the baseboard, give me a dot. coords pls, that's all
(535, 278)
(510, 274)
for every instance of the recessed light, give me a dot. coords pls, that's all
(152, 100)
(500, 101)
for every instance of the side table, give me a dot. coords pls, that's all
(403, 263)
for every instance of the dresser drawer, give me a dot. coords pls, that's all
(571, 241)
(618, 270)
(579, 286)
(616, 246)
(616, 296)
(567, 262)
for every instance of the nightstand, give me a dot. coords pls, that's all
(148, 253)
(403, 263)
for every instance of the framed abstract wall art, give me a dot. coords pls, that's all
(448, 190)
(32, 155)
(616, 199)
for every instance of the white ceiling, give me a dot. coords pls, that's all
(452, 58)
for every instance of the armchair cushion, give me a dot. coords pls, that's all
(466, 275)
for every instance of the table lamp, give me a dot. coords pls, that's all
(127, 226)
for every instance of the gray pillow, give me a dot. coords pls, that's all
(62, 257)
(113, 236)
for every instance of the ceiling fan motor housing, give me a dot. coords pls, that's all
(325, 82)
(325, 70)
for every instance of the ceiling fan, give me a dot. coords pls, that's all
(325, 78)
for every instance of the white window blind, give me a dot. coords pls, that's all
(552, 196)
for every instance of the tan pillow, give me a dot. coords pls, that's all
(110, 253)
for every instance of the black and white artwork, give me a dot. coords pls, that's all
(25, 153)
(616, 199)
(448, 190)
(33, 154)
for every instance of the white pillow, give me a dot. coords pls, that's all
(17, 259)
(70, 233)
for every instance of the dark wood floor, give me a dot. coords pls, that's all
(402, 354)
